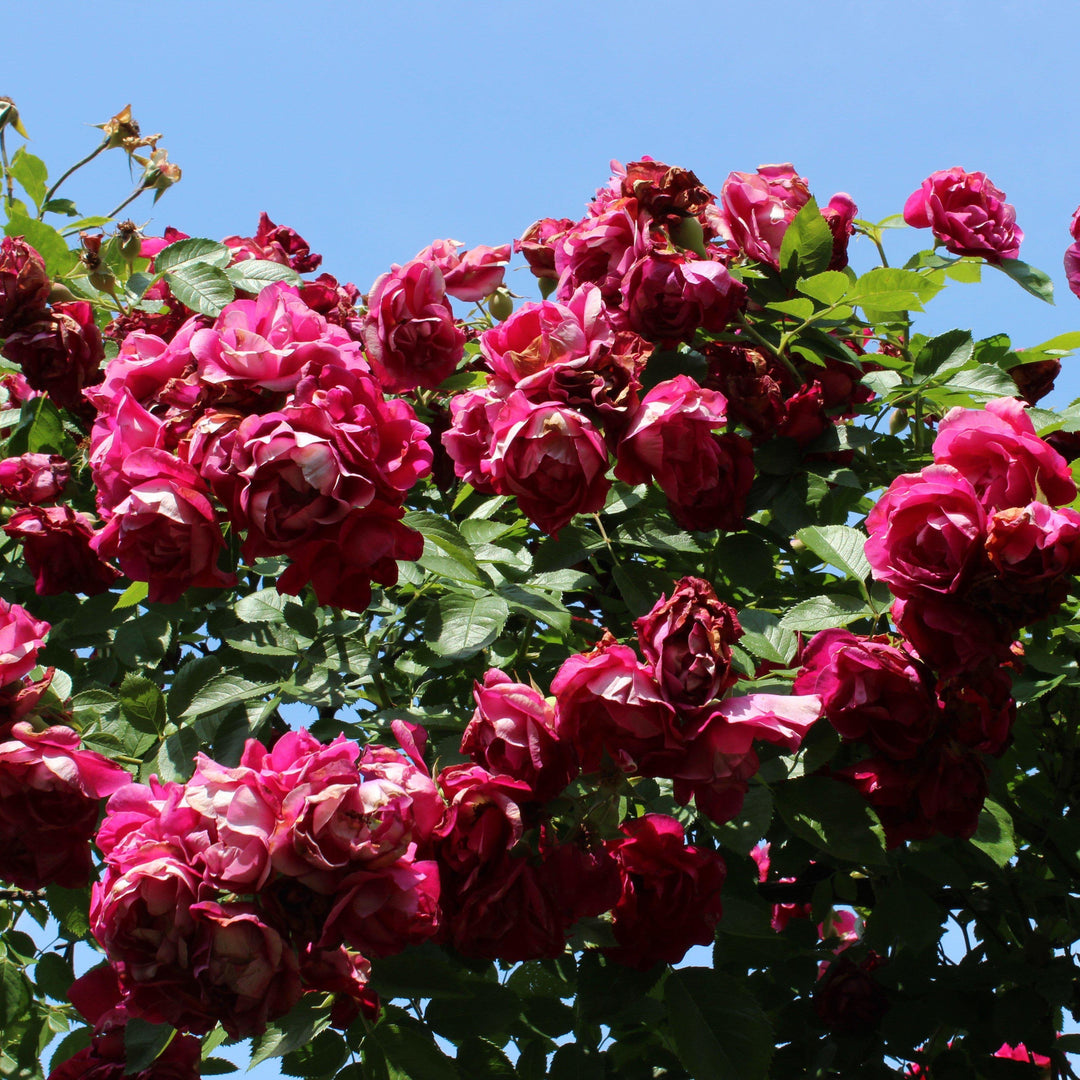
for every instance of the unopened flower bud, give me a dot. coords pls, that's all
(61, 294)
(897, 421)
(501, 304)
(688, 233)
(9, 116)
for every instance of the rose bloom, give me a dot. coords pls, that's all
(688, 640)
(49, 792)
(24, 284)
(277, 243)
(165, 532)
(60, 352)
(667, 298)
(56, 546)
(968, 214)
(1072, 254)
(33, 478)
(515, 731)
(537, 244)
(670, 893)
(552, 459)
(468, 439)
(410, 334)
(610, 705)
(472, 275)
(998, 452)
(952, 633)
(870, 690)
(926, 533)
(21, 635)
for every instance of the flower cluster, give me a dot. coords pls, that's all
(974, 547)
(50, 788)
(273, 411)
(229, 896)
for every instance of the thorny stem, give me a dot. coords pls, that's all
(78, 165)
(130, 199)
(763, 341)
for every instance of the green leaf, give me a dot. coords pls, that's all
(264, 606)
(32, 173)
(422, 971)
(201, 287)
(407, 1044)
(575, 1062)
(46, 241)
(192, 675)
(445, 536)
(222, 691)
(832, 816)
(459, 626)
(477, 1057)
(903, 914)
(70, 908)
(1029, 278)
(40, 430)
(979, 383)
(798, 308)
(15, 993)
(840, 546)
(321, 1057)
(994, 835)
(176, 755)
(143, 1043)
(947, 352)
(134, 594)
(539, 605)
(304, 1021)
(827, 288)
(253, 275)
(664, 364)
(489, 1009)
(887, 288)
(824, 613)
(719, 1030)
(142, 704)
(191, 252)
(806, 249)
(54, 975)
(766, 638)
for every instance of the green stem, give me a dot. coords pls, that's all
(130, 199)
(791, 368)
(9, 184)
(78, 165)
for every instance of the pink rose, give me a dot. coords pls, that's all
(600, 249)
(60, 352)
(952, 633)
(968, 214)
(468, 439)
(926, 533)
(871, 690)
(688, 640)
(668, 297)
(533, 338)
(115, 437)
(247, 974)
(266, 343)
(33, 478)
(56, 546)
(164, 531)
(758, 207)
(515, 731)
(998, 452)
(24, 285)
(470, 276)
(839, 215)
(538, 244)
(49, 792)
(672, 439)
(21, 635)
(670, 893)
(382, 910)
(610, 705)
(409, 333)
(277, 243)
(552, 459)
(1072, 254)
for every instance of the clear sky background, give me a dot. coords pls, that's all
(374, 128)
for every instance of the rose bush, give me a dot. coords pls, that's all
(630, 682)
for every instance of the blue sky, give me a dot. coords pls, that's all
(373, 129)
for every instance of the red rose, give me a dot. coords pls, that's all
(56, 547)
